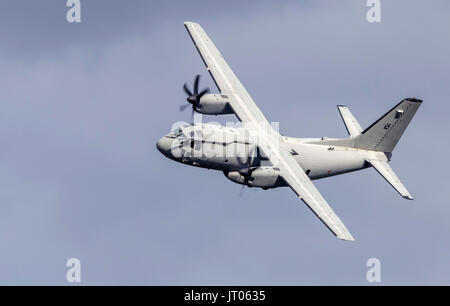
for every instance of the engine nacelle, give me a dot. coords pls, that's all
(264, 177)
(214, 104)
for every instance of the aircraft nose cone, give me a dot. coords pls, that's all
(164, 145)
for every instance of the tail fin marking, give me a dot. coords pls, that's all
(384, 134)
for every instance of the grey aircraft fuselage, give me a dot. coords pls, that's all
(219, 150)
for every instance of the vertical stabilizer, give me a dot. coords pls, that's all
(384, 134)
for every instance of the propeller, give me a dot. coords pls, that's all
(246, 171)
(193, 96)
(241, 191)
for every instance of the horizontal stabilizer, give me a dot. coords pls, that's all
(386, 171)
(351, 124)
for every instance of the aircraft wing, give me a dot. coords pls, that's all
(300, 183)
(269, 141)
(226, 81)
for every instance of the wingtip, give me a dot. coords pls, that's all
(408, 197)
(414, 100)
(346, 238)
(186, 23)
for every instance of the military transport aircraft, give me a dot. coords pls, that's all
(272, 160)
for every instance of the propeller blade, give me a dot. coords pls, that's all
(196, 83)
(241, 192)
(239, 159)
(187, 90)
(200, 95)
(183, 107)
(251, 157)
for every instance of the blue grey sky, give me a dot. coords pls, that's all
(82, 106)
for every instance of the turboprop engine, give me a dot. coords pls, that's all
(264, 177)
(205, 103)
(214, 104)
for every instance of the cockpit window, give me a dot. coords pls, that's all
(178, 132)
